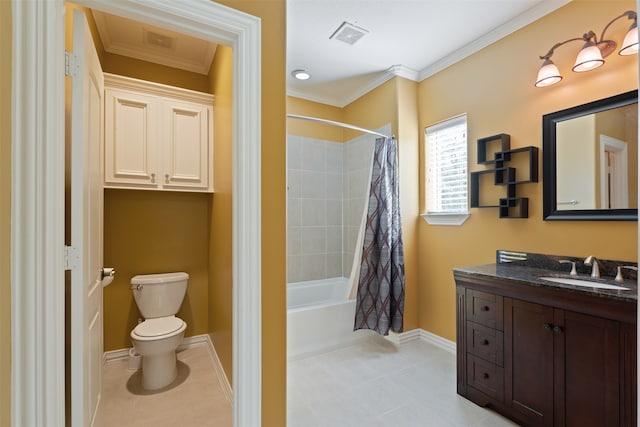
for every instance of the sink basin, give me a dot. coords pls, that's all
(585, 283)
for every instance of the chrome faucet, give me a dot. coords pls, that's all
(619, 277)
(573, 266)
(595, 270)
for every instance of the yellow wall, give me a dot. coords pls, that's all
(220, 242)
(311, 129)
(157, 73)
(154, 232)
(273, 192)
(495, 88)
(5, 215)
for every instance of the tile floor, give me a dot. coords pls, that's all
(372, 383)
(195, 399)
(376, 383)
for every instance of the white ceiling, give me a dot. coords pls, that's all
(130, 38)
(408, 38)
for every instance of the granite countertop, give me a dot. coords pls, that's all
(530, 273)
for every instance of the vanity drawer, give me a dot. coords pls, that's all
(485, 309)
(486, 343)
(485, 377)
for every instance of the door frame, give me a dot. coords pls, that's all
(621, 160)
(37, 196)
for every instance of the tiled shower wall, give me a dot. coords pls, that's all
(327, 185)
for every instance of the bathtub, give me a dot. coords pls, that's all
(320, 317)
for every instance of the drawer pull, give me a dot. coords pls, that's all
(484, 308)
(485, 376)
(485, 342)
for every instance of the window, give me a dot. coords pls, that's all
(446, 172)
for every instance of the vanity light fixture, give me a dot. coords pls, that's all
(301, 74)
(593, 52)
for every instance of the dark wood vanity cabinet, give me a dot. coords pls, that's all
(533, 356)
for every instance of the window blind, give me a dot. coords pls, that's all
(446, 174)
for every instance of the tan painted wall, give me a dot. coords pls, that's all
(311, 129)
(495, 88)
(220, 299)
(5, 215)
(144, 70)
(154, 232)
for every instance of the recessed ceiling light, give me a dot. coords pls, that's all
(301, 74)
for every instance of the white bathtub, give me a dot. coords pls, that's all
(319, 317)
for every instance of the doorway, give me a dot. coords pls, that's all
(38, 135)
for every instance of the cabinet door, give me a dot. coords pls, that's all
(528, 375)
(131, 134)
(187, 152)
(588, 373)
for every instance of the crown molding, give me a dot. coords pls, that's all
(383, 77)
(399, 70)
(513, 25)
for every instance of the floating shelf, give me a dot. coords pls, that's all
(510, 206)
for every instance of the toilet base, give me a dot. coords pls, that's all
(159, 370)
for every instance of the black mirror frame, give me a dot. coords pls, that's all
(550, 210)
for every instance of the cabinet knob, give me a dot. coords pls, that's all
(557, 330)
(166, 178)
(485, 342)
(485, 376)
(484, 308)
(548, 326)
(153, 177)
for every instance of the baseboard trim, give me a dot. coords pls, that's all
(188, 342)
(438, 341)
(222, 377)
(421, 334)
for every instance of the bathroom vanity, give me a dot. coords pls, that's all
(544, 353)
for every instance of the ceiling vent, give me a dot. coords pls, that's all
(157, 39)
(348, 33)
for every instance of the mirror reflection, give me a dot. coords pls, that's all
(590, 160)
(597, 160)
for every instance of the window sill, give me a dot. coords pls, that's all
(445, 218)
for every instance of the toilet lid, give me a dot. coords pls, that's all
(159, 326)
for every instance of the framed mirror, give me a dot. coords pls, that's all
(590, 161)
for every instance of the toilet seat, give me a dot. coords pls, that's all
(158, 328)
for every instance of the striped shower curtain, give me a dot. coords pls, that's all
(380, 295)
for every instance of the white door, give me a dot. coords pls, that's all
(86, 225)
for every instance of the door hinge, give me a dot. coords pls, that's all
(71, 258)
(70, 64)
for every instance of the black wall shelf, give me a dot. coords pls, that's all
(509, 206)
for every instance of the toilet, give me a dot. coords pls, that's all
(159, 297)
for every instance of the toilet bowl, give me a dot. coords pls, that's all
(157, 345)
(156, 339)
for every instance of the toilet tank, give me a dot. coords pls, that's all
(159, 295)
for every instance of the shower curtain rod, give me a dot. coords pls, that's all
(334, 123)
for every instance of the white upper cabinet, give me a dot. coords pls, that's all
(157, 137)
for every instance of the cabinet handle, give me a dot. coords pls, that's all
(485, 376)
(557, 330)
(548, 326)
(484, 308)
(153, 177)
(485, 342)
(166, 178)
